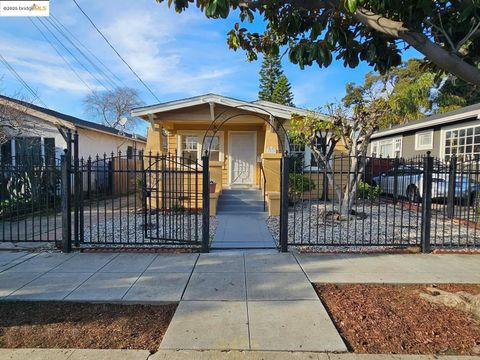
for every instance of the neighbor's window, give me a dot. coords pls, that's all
(6, 153)
(28, 149)
(463, 142)
(424, 140)
(130, 152)
(387, 148)
(49, 151)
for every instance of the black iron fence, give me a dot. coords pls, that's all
(30, 200)
(139, 199)
(115, 199)
(422, 202)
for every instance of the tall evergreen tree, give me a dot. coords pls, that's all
(282, 93)
(270, 72)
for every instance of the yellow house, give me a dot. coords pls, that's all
(245, 139)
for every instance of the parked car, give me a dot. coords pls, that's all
(410, 184)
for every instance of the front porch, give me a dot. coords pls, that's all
(245, 145)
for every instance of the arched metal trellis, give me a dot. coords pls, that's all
(217, 124)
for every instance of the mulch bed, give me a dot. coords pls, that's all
(82, 325)
(393, 319)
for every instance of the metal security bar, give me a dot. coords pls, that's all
(421, 201)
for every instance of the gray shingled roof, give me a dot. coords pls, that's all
(425, 122)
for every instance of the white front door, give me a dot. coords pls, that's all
(242, 158)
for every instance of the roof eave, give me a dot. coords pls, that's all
(417, 126)
(239, 104)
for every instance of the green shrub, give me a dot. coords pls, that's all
(367, 192)
(298, 183)
(178, 208)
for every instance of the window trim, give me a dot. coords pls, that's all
(443, 131)
(419, 147)
(200, 134)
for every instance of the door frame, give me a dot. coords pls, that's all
(230, 168)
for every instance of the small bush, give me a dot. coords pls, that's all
(368, 192)
(298, 183)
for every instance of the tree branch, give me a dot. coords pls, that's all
(435, 53)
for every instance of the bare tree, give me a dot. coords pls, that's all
(353, 127)
(110, 107)
(13, 117)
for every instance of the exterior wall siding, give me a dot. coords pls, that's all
(408, 139)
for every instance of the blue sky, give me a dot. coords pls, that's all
(178, 55)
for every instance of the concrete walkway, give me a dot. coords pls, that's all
(242, 231)
(251, 302)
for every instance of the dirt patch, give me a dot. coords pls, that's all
(83, 326)
(395, 319)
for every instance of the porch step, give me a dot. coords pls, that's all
(240, 201)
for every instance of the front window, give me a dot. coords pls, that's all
(213, 143)
(304, 153)
(191, 147)
(464, 143)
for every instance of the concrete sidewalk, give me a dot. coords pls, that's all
(79, 354)
(129, 278)
(236, 301)
(391, 268)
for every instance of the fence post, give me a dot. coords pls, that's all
(426, 202)
(66, 203)
(284, 169)
(205, 204)
(76, 193)
(452, 178)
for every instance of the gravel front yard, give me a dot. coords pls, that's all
(129, 228)
(383, 226)
(397, 319)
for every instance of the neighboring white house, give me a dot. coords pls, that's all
(42, 133)
(453, 132)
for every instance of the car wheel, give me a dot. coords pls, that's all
(412, 194)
